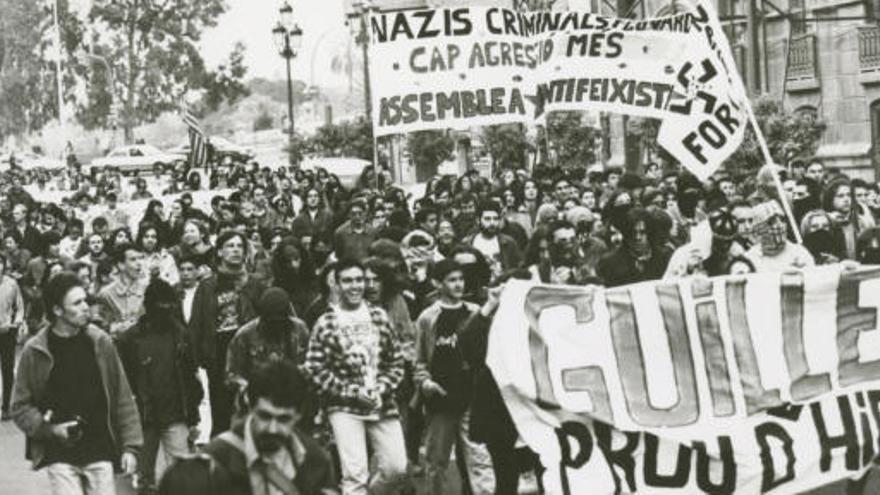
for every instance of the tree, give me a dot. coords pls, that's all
(572, 144)
(429, 149)
(507, 144)
(789, 135)
(349, 139)
(227, 82)
(153, 49)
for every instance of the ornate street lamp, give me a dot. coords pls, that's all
(288, 40)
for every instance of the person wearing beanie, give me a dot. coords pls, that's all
(276, 335)
(161, 369)
(773, 251)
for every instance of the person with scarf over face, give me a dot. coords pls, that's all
(633, 261)
(819, 239)
(162, 371)
(773, 252)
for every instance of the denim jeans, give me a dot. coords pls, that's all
(351, 433)
(174, 440)
(91, 479)
(445, 430)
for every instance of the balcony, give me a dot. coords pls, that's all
(869, 54)
(803, 73)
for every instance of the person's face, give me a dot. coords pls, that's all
(176, 209)
(842, 201)
(815, 171)
(74, 309)
(468, 208)
(561, 190)
(873, 199)
(615, 237)
(530, 191)
(727, 189)
(85, 276)
(247, 209)
(372, 286)
(232, 252)
(189, 274)
(286, 185)
(800, 191)
(357, 215)
(19, 213)
(260, 196)
(242, 184)
(120, 238)
(489, 222)
(150, 240)
(275, 242)
(653, 172)
(74, 232)
(430, 224)
(10, 243)
(313, 199)
(508, 177)
(96, 244)
(380, 219)
(613, 179)
(588, 199)
(452, 285)
(623, 199)
(445, 233)
(191, 234)
(819, 222)
(564, 244)
(271, 426)
(743, 218)
(442, 199)
(861, 195)
(509, 199)
(133, 266)
(351, 286)
(640, 234)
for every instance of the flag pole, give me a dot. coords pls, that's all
(759, 134)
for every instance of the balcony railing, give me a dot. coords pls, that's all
(802, 58)
(869, 48)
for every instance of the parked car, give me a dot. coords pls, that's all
(136, 158)
(30, 161)
(347, 169)
(222, 148)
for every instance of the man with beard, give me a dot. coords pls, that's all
(275, 336)
(265, 453)
(222, 304)
(162, 371)
(773, 252)
(500, 250)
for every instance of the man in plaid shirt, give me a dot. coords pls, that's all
(355, 360)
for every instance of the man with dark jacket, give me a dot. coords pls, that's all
(72, 398)
(500, 250)
(221, 305)
(162, 373)
(266, 454)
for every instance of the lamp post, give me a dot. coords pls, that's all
(288, 39)
(357, 22)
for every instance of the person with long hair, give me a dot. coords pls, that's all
(157, 261)
(194, 244)
(155, 215)
(292, 270)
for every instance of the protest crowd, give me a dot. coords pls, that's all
(348, 325)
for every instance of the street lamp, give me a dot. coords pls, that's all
(288, 40)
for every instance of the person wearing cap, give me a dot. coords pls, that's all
(443, 382)
(774, 252)
(162, 371)
(275, 335)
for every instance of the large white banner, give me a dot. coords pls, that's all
(767, 383)
(458, 67)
